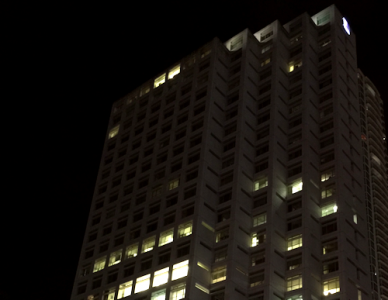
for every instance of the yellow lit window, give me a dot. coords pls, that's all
(160, 80)
(125, 289)
(329, 209)
(259, 184)
(148, 244)
(219, 274)
(160, 277)
(180, 270)
(294, 283)
(166, 237)
(142, 283)
(178, 291)
(295, 187)
(327, 175)
(99, 264)
(159, 295)
(131, 251)
(174, 71)
(296, 297)
(114, 131)
(294, 242)
(173, 184)
(260, 219)
(331, 286)
(185, 229)
(115, 257)
(294, 65)
(257, 239)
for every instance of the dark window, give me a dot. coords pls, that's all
(129, 270)
(229, 145)
(293, 224)
(152, 227)
(190, 193)
(169, 219)
(164, 258)
(112, 278)
(329, 227)
(183, 250)
(262, 150)
(192, 175)
(187, 212)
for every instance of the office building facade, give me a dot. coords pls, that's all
(252, 169)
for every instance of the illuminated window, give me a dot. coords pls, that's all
(115, 257)
(296, 297)
(109, 294)
(295, 187)
(329, 209)
(160, 80)
(166, 237)
(218, 274)
(326, 175)
(180, 270)
(294, 283)
(114, 131)
(260, 219)
(131, 251)
(178, 291)
(355, 218)
(294, 65)
(257, 239)
(328, 191)
(185, 229)
(331, 286)
(159, 295)
(125, 289)
(99, 264)
(173, 184)
(294, 242)
(142, 283)
(160, 277)
(174, 71)
(148, 244)
(259, 184)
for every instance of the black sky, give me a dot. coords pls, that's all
(87, 57)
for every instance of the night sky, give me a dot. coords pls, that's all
(87, 57)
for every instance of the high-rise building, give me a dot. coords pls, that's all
(252, 169)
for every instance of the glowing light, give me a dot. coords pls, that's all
(345, 24)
